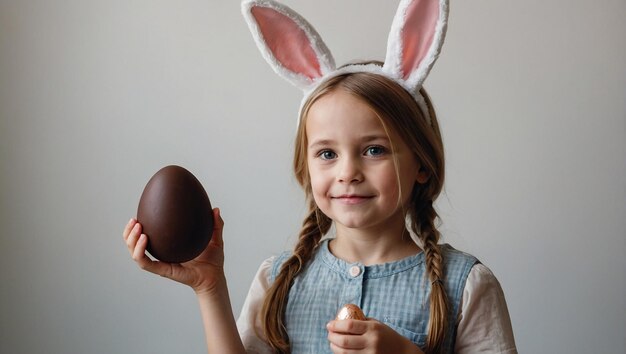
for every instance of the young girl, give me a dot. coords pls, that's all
(369, 156)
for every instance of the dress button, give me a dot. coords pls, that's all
(355, 271)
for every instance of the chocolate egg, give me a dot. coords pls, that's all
(175, 212)
(352, 312)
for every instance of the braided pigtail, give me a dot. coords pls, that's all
(315, 225)
(423, 217)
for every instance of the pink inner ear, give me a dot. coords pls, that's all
(418, 33)
(288, 42)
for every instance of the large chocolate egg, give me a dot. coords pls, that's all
(175, 213)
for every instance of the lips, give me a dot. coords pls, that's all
(352, 199)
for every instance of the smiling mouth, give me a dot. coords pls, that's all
(352, 199)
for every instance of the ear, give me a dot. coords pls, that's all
(422, 176)
(291, 46)
(415, 40)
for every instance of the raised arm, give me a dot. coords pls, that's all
(205, 275)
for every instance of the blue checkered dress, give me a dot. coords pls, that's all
(395, 293)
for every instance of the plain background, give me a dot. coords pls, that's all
(96, 96)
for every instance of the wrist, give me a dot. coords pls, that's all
(216, 288)
(214, 300)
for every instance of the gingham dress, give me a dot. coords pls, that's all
(395, 293)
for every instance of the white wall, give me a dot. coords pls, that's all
(95, 96)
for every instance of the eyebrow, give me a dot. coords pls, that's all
(366, 139)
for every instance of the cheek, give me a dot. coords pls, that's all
(388, 179)
(319, 190)
(398, 191)
(316, 179)
(408, 183)
(318, 185)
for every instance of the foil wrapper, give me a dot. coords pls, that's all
(350, 311)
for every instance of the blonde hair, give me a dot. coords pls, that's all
(400, 113)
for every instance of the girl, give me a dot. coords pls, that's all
(369, 156)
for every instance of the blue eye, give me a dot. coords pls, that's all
(327, 155)
(375, 150)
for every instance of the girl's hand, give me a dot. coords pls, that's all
(370, 336)
(204, 274)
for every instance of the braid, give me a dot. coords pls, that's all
(423, 217)
(314, 226)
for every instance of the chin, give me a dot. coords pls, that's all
(352, 223)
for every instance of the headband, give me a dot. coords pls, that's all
(296, 52)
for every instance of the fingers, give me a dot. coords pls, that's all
(139, 251)
(144, 262)
(369, 336)
(128, 228)
(354, 327)
(347, 335)
(218, 228)
(137, 244)
(341, 343)
(131, 235)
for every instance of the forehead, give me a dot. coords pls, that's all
(343, 115)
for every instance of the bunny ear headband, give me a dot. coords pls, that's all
(296, 52)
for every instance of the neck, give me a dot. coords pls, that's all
(373, 246)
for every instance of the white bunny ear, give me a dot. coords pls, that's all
(415, 40)
(291, 46)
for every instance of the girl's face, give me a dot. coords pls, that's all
(354, 177)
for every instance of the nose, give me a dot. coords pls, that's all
(350, 170)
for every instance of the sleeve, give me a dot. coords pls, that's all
(484, 325)
(249, 321)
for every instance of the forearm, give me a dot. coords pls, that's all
(220, 327)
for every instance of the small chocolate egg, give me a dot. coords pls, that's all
(350, 311)
(175, 212)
